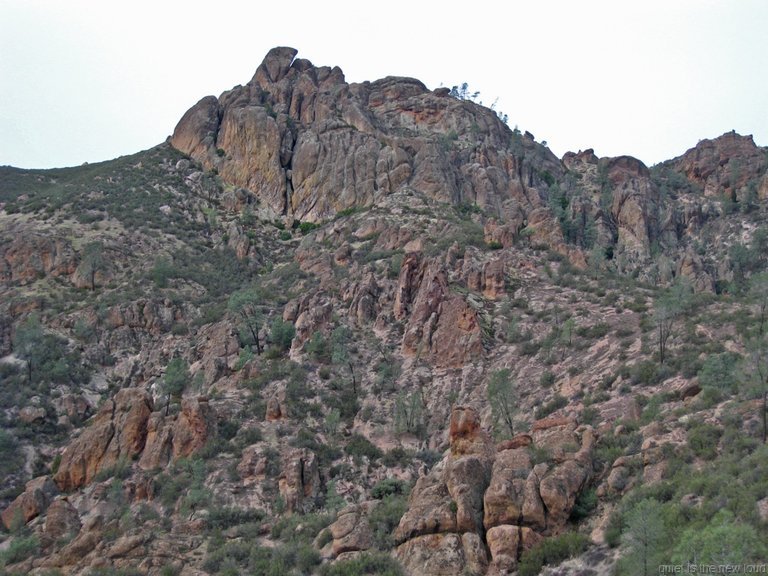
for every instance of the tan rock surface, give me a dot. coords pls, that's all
(118, 431)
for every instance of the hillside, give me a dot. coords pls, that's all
(332, 328)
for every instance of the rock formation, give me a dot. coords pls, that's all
(286, 136)
(481, 508)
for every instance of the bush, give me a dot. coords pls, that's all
(300, 527)
(19, 549)
(552, 551)
(281, 334)
(647, 373)
(585, 504)
(549, 407)
(719, 372)
(225, 517)
(593, 332)
(359, 446)
(385, 517)
(547, 379)
(388, 487)
(703, 440)
(10, 456)
(396, 457)
(368, 563)
(318, 348)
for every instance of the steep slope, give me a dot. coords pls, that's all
(334, 325)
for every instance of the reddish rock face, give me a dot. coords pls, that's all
(500, 497)
(61, 520)
(195, 425)
(299, 481)
(286, 136)
(27, 257)
(118, 432)
(517, 441)
(441, 326)
(30, 503)
(466, 433)
(351, 531)
(723, 165)
(507, 542)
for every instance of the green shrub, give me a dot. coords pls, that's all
(225, 517)
(703, 439)
(366, 564)
(306, 227)
(20, 549)
(553, 405)
(385, 517)
(396, 457)
(547, 379)
(387, 487)
(359, 446)
(719, 371)
(647, 373)
(593, 332)
(10, 456)
(318, 348)
(552, 551)
(300, 527)
(585, 504)
(281, 334)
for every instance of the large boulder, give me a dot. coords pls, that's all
(351, 531)
(31, 503)
(117, 434)
(299, 481)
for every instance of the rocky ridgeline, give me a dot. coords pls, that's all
(310, 145)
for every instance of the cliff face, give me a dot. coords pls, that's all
(311, 145)
(404, 328)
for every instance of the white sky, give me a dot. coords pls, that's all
(89, 80)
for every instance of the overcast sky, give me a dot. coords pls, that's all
(84, 80)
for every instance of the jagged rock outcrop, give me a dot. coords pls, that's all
(351, 531)
(299, 480)
(118, 432)
(149, 315)
(195, 426)
(725, 165)
(440, 532)
(286, 136)
(177, 436)
(29, 504)
(26, 257)
(503, 502)
(441, 325)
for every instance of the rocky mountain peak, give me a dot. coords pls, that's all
(275, 65)
(725, 165)
(285, 138)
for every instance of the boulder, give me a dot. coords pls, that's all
(507, 543)
(195, 426)
(351, 531)
(31, 503)
(118, 433)
(299, 481)
(445, 554)
(61, 520)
